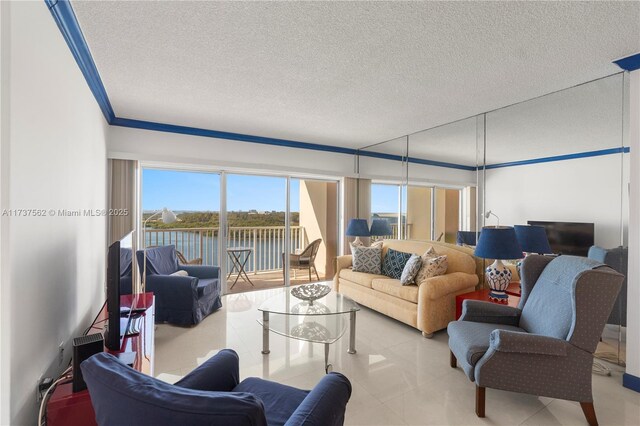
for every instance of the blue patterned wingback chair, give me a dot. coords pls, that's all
(544, 346)
(210, 395)
(180, 300)
(617, 258)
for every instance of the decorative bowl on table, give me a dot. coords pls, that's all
(310, 292)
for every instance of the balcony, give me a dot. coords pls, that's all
(267, 243)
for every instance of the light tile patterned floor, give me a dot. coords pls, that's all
(398, 376)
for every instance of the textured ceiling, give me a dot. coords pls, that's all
(345, 73)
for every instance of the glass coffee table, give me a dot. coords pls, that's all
(324, 320)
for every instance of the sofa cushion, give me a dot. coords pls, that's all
(360, 278)
(460, 259)
(367, 259)
(394, 262)
(470, 340)
(394, 288)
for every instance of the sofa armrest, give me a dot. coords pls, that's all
(219, 373)
(325, 405)
(526, 343)
(443, 285)
(479, 311)
(342, 262)
(201, 271)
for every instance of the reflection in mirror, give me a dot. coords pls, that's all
(560, 160)
(442, 196)
(383, 167)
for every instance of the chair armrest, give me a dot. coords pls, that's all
(325, 404)
(526, 343)
(479, 311)
(442, 285)
(219, 373)
(173, 290)
(201, 271)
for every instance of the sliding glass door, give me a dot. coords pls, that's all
(314, 224)
(194, 198)
(256, 232)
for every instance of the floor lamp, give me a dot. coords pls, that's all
(167, 217)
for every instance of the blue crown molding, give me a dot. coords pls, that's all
(194, 131)
(630, 63)
(68, 24)
(586, 154)
(631, 382)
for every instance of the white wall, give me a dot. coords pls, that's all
(580, 190)
(633, 287)
(53, 157)
(172, 148)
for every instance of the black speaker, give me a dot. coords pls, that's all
(83, 348)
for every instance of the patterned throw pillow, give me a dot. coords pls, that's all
(432, 267)
(411, 270)
(367, 259)
(393, 263)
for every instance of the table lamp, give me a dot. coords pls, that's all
(532, 239)
(358, 228)
(167, 217)
(380, 227)
(498, 242)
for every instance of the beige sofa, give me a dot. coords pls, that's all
(428, 307)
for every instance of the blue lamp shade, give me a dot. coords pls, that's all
(358, 228)
(498, 242)
(533, 239)
(380, 227)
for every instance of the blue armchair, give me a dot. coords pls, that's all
(212, 394)
(544, 346)
(180, 300)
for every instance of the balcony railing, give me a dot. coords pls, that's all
(266, 242)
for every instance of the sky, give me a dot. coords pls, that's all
(198, 191)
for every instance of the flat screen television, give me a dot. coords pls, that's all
(119, 263)
(571, 238)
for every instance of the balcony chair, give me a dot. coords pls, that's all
(180, 300)
(305, 260)
(544, 346)
(212, 394)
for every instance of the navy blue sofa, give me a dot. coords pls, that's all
(180, 300)
(212, 394)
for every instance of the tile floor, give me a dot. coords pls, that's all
(398, 376)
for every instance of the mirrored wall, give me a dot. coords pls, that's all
(560, 161)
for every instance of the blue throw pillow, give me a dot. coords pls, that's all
(393, 263)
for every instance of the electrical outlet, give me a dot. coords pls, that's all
(60, 352)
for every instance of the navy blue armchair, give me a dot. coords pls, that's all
(212, 394)
(180, 300)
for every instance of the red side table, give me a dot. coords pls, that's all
(513, 291)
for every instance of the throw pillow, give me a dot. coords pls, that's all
(393, 263)
(411, 270)
(367, 259)
(181, 273)
(432, 267)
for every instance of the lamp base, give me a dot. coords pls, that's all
(498, 277)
